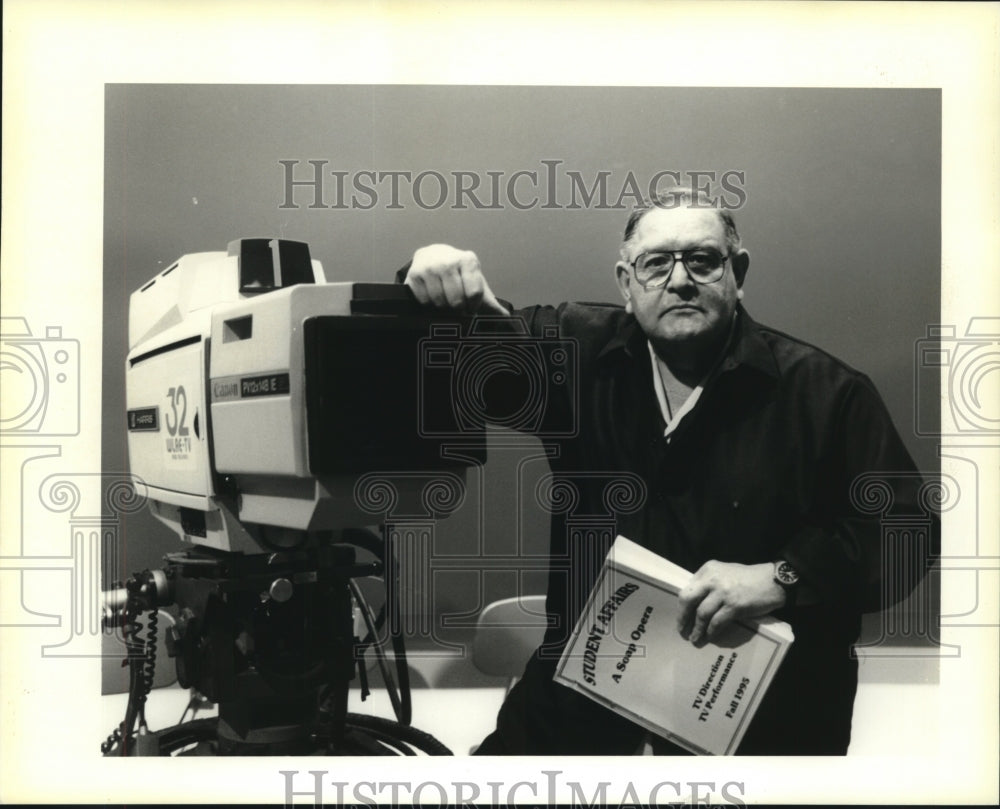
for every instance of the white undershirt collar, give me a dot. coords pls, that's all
(671, 420)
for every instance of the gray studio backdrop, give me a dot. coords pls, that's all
(837, 196)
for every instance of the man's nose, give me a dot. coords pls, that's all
(679, 277)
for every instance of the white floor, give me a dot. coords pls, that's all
(895, 709)
(895, 712)
(896, 687)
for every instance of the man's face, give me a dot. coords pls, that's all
(683, 312)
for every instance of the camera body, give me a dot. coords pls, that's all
(41, 381)
(258, 394)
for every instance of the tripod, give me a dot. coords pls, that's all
(270, 639)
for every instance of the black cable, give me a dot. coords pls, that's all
(375, 545)
(410, 735)
(141, 660)
(367, 735)
(149, 666)
(197, 730)
(362, 672)
(396, 634)
(391, 742)
(403, 673)
(362, 645)
(133, 649)
(121, 737)
(114, 738)
(359, 743)
(150, 651)
(390, 683)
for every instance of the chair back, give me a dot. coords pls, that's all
(507, 633)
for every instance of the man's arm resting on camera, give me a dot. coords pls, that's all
(443, 276)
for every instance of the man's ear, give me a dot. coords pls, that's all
(741, 265)
(623, 278)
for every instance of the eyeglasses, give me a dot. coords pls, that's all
(705, 265)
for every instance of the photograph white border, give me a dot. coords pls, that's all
(57, 58)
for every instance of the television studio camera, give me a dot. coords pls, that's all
(258, 396)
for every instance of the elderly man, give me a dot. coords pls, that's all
(748, 442)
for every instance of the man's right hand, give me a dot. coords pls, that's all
(449, 278)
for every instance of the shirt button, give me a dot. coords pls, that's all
(736, 503)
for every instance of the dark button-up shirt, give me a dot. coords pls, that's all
(788, 454)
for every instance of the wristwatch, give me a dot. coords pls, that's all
(788, 578)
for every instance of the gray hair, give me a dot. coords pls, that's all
(678, 198)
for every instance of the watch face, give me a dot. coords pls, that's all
(786, 574)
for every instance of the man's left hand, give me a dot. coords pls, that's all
(721, 592)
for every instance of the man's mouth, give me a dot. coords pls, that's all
(681, 308)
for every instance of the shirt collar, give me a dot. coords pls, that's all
(749, 347)
(746, 346)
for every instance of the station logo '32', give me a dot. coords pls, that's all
(179, 440)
